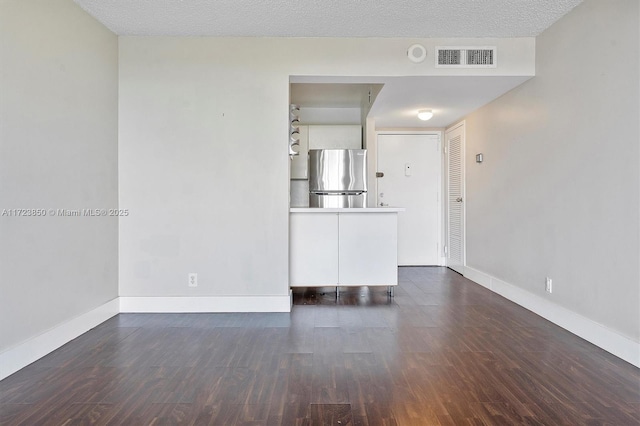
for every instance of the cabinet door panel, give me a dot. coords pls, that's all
(313, 249)
(368, 249)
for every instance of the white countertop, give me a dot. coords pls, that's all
(346, 210)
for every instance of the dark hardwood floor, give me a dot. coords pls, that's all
(442, 351)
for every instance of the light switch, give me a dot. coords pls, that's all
(407, 169)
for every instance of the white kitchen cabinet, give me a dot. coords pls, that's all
(368, 249)
(299, 163)
(343, 247)
(313, 249)
(339, 136)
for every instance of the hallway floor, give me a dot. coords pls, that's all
(442, 351)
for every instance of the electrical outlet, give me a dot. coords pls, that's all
(193, 279)
(548, 285)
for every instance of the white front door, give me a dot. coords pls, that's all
(411, 165)
(454, 160)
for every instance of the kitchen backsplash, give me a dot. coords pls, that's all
(299, 193)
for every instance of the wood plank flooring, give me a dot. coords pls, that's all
(443, 351)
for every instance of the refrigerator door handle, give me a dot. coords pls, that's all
(338, 193)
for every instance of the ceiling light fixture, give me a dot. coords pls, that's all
(425, 114)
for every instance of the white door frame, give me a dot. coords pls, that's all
(441, 212)
(464, 193)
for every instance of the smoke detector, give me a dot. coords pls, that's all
(416, 53)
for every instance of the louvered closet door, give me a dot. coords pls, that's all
(455, 206)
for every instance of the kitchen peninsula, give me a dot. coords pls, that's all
(343, 247)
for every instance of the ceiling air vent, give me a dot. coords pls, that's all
(466, 57)
(449, 56)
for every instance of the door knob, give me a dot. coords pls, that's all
(383, 204)
(459, 199)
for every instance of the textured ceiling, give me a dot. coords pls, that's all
(329, 18)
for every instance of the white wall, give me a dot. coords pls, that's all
(203, 162)
(58, 150)
(558, 192)
(330, 115)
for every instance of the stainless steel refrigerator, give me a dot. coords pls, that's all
(337, 178)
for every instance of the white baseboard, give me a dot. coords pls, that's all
(206, 304)
(18, 357)
(598, 334)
